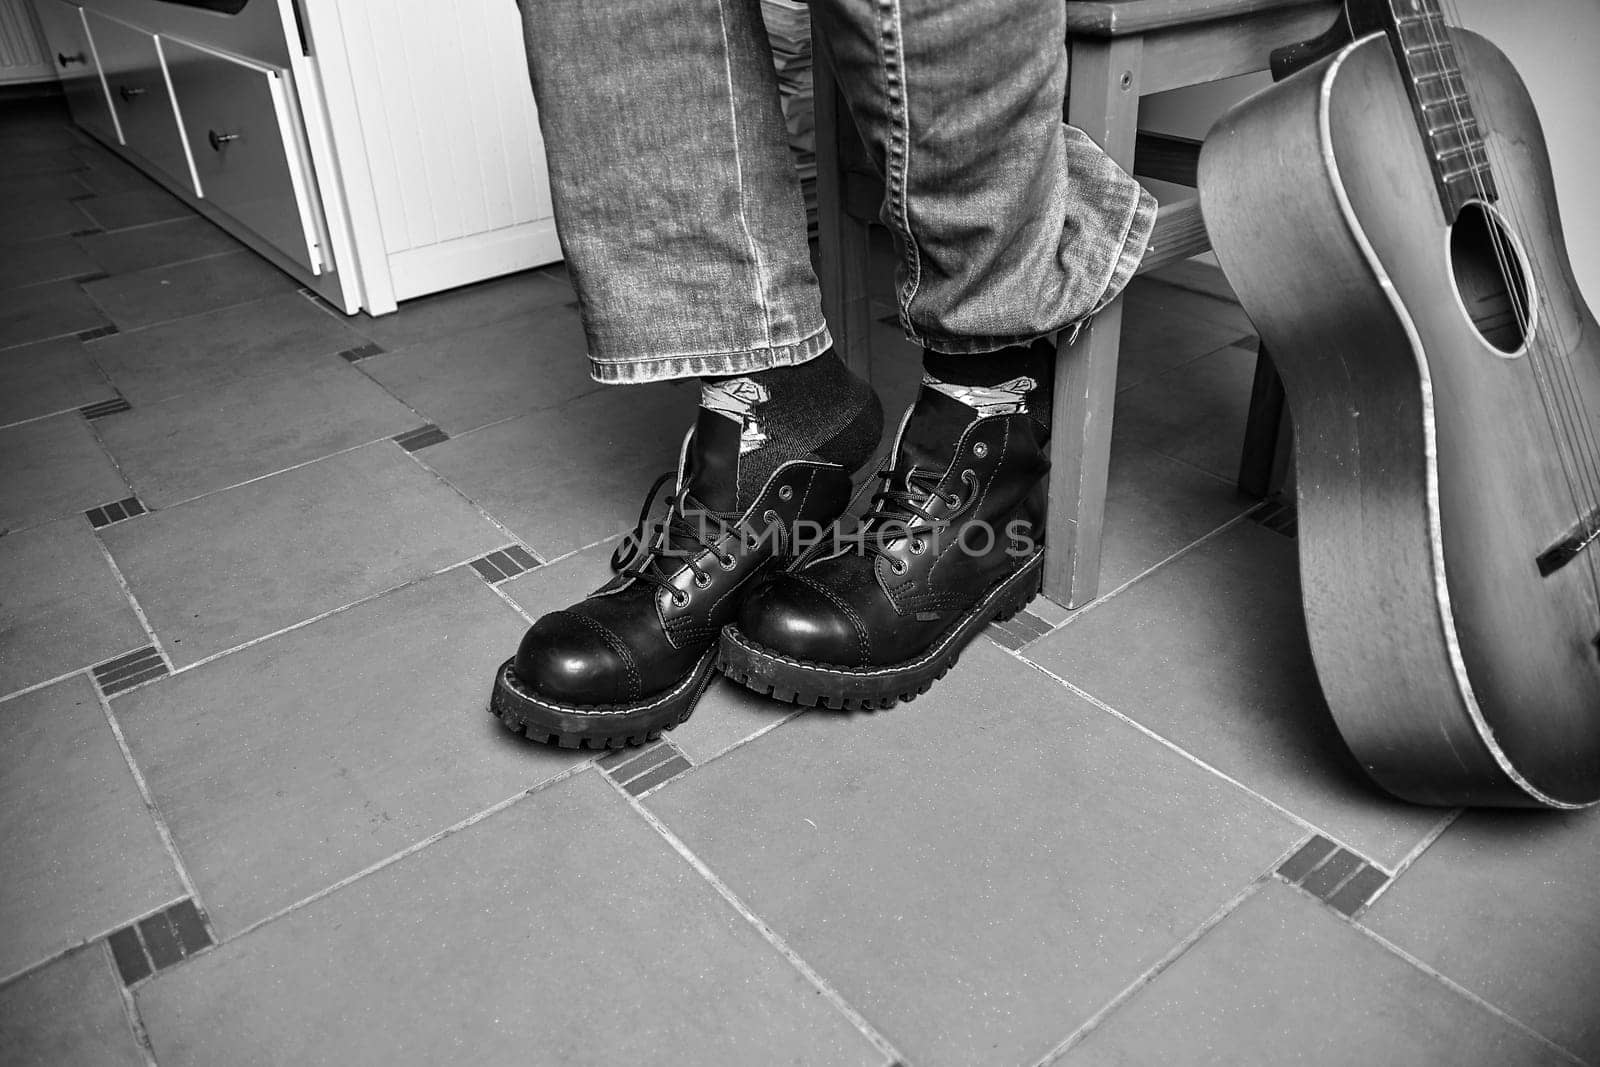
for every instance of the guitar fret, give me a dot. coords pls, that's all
(1463, 172)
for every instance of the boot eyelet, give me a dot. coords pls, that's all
(954, 501)
(785, 492)
(727, 563)
(680, 599)
(980, 449)
(771, 518)
(918, 546)
(702, 580)
(898, 566)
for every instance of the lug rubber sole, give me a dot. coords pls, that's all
(822, 685)
(600, 725)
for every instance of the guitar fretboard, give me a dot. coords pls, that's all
(1441, 102)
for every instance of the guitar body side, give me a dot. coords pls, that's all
(1429, 476)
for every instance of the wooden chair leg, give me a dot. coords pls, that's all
(1103, 101)
(843, 252)
(1263, 460)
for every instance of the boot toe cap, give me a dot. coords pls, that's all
(798, 618)
(567, 658)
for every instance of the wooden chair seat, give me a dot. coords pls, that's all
(1119, 50)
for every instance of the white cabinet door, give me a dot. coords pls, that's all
(79, 70)
(130, 60)
(246, 148)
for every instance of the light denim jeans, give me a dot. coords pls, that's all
(679, 208)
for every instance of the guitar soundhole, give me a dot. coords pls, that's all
(1490, 277)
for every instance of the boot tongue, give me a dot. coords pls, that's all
(711, 466)
(930, 436)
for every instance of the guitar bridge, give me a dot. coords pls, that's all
(1564, 551)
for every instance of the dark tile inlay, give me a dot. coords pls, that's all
(105, 407)
(125, 672)
(506, 563)
(362, 352)
(89, 232)
(1358, 890)
(116, 511)
(420, 438)
(1331, 875)
(164, 939)
(132, 963)
(645, 782)
(161, 940)
(628, 763)
(1277, 515)
(1305, 861)
(99, 331)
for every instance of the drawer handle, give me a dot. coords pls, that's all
(129, 92)
(67, 61)
(219, 139)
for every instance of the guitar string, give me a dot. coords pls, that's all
(1558, 375)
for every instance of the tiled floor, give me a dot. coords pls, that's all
(253, 810)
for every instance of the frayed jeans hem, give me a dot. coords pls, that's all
(699, 364)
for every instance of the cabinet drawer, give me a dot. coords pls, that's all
(73, 55)
(130, 59)
(247, 152)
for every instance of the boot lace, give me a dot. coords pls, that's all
(908, 506)
(640, 554)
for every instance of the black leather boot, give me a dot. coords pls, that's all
(631, 659)
(953, 542)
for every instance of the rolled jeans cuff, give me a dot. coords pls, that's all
(697, 364)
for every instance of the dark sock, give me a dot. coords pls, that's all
(1024, 374)
(812, 410)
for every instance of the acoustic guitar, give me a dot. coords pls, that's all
(1388, 219)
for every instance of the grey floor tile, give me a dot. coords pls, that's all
(727, 715)
(1200, 274)
(49, 310)
(562, 929)
(566, 477)
(51, 468)
(1283, 980)
(1210, 652)
(1195, 412)
(564, 582)
(62, 608)
(32, 188)
(105, 173)
(69, 1012)
(275, 334)
(174, 241)
(365, 733)
(980, 870)
(445, 314)
(36, 219)
(1505, 903)
(47, 260)
(203, 441)
(218, 571)
(1154, 507)
(83, 855)
(1164, 326)
(175, 291)
(46, 377)
(39, 161)
(134, 207)
(465, 380)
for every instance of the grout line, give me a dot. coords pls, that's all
(584, 548)
(772, 937)
(414, 847)
(73, 410)
(1078, 613)
(130, 1009)
(1298, 820)
(48, 682)
(490, 519)
(83, 943)
(1411, 857)
(1239, 342)
(764, 731)
(1463, 991)
(155, 813)
(133, 602)
(260, 477)
(494, 587)
(1171, 956)
(307, 622)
